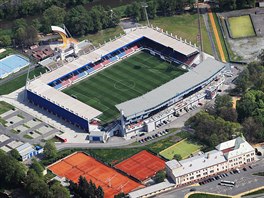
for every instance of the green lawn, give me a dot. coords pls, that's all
(185, 26)
(114, 156)
(183, 148)
(103, 35)
(241, 26)
(127, 79)
(19, 82)
(4, 107)
(202, 195)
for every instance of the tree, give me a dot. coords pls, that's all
(223, 101)
(36, 24)
(177, 157)
(261, 57)
(15, 154)
(12, 172)
(120, 195)
(5, 40)
(160, 176)
(79, 21)
(36, 186)
(228, 114)
(54, 15)
(85, 189)
(50, 150)
(58, 191)
(37, 167)
(253, 129)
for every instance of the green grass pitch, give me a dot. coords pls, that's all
(241, 26)
(127, 79)
(183, 148)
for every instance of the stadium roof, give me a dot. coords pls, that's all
(109, 47)
(200, 73)
(63, 100)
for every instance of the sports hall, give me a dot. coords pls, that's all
(80, 164)
(142, 165)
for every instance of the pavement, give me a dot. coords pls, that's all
(245, 182)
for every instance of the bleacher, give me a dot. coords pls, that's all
(144, 43)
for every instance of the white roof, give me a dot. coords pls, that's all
(25, 149)
(150, 189)
(240, 146)
(58, 29)
(109, 47)
(63, 100)
(196, 163)
(171, 89)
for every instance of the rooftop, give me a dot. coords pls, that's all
(196, 163)
(192, 78)
(237, 146)
(63, 100)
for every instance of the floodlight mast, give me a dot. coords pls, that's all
(144, 6)
(199, 37)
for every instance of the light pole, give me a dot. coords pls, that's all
(144, 6)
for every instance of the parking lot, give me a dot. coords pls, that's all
(19, 127)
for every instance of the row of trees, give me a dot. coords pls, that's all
(236, 4)
(17, 9)
(78, 20)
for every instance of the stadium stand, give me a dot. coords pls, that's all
(152, 39)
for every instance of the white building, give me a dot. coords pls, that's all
(27, 151)
(228, 155)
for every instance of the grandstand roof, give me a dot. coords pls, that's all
(63, 100)
(109, 47)
(165, 92)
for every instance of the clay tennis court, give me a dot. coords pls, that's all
(77, 164)
(142, 166)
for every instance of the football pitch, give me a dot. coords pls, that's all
(183, 148)
(241, 26)
(127, 79)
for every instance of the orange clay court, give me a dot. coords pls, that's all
(142, 166)
(77, 164)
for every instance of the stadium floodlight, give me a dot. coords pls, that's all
(144, 6)
(199, 36)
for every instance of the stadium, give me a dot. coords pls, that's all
(129, 84)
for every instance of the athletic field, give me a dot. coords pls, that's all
(183, 148)
(241, 26)
(123, 81)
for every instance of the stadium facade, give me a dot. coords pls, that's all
(141, 113)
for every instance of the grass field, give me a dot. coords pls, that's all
(4, 107)
(202, 195)
(183, 148)
(184, 26)
(19, 81)
(241, 26)
(127, 79)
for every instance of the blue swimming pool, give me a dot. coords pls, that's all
(12, 63)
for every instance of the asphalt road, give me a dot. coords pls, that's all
(245, 181)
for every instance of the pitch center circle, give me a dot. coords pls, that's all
(124, 85)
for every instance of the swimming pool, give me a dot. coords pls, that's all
(11, 64)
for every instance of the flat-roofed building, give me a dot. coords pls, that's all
(228, 155)
(27, 151)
